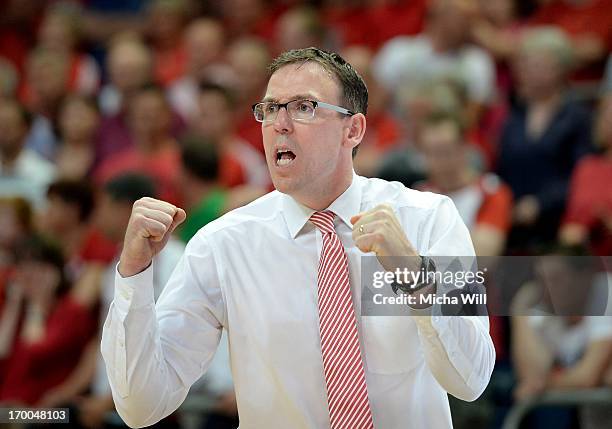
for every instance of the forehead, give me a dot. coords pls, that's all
(300, 79)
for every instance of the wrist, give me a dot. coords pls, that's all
(129, 270)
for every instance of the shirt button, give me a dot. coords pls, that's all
(126, 294)
(121, 343)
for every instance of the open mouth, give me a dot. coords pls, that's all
(284, 157)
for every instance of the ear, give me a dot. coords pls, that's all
(355, 130)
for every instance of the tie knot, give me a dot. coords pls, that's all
(324, 221)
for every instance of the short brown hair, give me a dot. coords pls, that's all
(354, 93)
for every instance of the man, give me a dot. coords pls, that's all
(301, 356)
(23, 171)
(483, 201)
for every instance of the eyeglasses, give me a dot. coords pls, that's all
(298, 110)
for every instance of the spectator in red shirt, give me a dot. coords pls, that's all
(59, 32)
(66, 219)
(588, 217)
(166, 21)
(55, 326)
(155, 151)
(240, 163)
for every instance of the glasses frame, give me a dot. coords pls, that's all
(315, 103)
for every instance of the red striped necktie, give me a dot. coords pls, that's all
(347, 394)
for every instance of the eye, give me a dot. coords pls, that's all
(304, 106)
(270, 107)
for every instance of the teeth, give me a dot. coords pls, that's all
(284, 161)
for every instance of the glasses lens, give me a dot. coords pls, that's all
(301, 109)
(258, 112)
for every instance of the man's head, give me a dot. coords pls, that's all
(78, 118)
(14, 126)
(130, 63)
(442, 142)
(69, 205)
(114, 206)
(204, 44)
(47, 74)
(149, 114)
(215, 111)
(299, 27)
(249, 57)
(319, 149)
(199, 160)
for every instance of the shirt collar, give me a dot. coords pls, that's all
(345, 206)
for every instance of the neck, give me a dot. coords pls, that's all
(78, 142)
(549, 98)
(151, 144)
(325, 196)
(462, 179)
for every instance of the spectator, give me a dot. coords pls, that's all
(442, 51)
(130, 71)
(47, 77)
(299, 27)
(588, 218)
(155, 151)
(9, 79)
(130, 66)
(166, 21)
(557, 342)
(405, 163)
(78, 122)
(207, 198)
(250, 18)
(383, 131)
(204, 46)
(56, 326)
(484, 203)
(240, 163)
(542, 139)
(66, 219)
(60, 33)
(23, 171)
(588, 24)
(15, 224)
(249, 59)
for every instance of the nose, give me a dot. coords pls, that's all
(283, 123)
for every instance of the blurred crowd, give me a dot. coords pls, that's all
(503, 105)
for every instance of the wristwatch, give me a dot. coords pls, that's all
(427, 266)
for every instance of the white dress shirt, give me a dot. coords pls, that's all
(253, 272)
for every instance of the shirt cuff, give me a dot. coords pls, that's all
(134, 292)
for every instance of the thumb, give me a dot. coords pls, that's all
(179, 218)
(356, 218)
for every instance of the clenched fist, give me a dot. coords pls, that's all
(151, 223)
(378, 230)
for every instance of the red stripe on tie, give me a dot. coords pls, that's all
(347, 394)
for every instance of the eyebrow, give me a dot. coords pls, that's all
(295, 97)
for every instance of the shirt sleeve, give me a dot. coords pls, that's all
(458, 349)
(154, 353)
